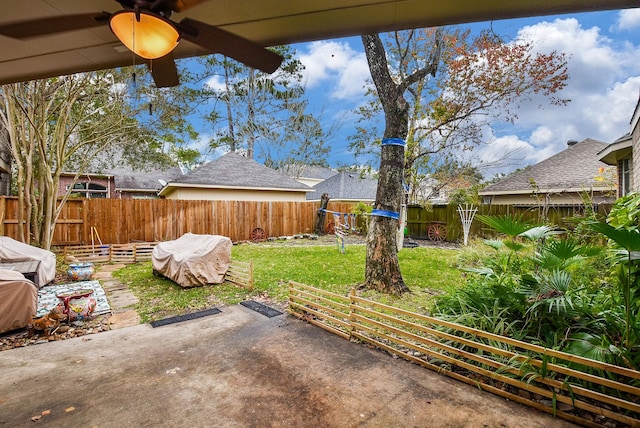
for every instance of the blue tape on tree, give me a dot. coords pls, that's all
(384, 213)
(392, 142)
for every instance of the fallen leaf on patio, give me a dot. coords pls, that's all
(69, 409)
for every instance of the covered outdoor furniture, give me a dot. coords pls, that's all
(16, 251)
(193, 260)
(18, 300)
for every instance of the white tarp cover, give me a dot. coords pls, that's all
(16, 251)
(193, 260)
(18, 300)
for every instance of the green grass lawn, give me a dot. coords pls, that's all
(427, 271)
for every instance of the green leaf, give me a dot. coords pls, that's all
(629, 239)
(507, 225)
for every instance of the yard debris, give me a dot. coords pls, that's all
(38, 417)
(21, 338)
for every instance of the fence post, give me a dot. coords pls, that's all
(85, 221)
(352, 309)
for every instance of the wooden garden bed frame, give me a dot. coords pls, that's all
(571, 387)
(239, 273)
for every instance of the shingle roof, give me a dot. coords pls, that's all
(307, 171)
(126, 179)
(346, 185)
(574, 168)
(234, 170)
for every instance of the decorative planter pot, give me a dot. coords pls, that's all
(81, 271)
(79, 304)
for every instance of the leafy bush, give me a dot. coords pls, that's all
(362, 212)
(550, 288)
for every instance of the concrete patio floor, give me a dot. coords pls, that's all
(236, 369)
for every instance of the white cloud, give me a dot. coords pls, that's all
(603, 86)
(215, 83)
(200, 144)
(335, 62)
(628, 19)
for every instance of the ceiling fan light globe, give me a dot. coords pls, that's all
(150, 38)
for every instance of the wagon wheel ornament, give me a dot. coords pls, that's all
(258, 234)
(437, 232)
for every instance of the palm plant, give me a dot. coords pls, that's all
(508, 225)
(559, 254)
(627, 269)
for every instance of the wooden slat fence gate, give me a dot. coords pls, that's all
(584, 391)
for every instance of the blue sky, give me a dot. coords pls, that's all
(604, 85)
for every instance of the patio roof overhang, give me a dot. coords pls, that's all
(267, 22)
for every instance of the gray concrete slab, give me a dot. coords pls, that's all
(236, 369)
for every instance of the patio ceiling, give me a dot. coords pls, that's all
(268, 22)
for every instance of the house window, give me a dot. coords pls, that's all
(624, 168)
(89, 190)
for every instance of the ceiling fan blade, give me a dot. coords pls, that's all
(219, 41)
(53, 25)
(182, 5)
(164, 72)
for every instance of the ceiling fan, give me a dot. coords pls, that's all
(143, 25)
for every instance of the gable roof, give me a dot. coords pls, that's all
(238, 172)
(346, 186)
(572, 170)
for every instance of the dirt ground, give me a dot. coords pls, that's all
(236, 369)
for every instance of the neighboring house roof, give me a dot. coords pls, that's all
(346, 186)
(307, 171)
(238, 172)
(572, 170)
(143, 181)
(127, 180)
(619, 149)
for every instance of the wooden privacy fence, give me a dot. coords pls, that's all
(419, 219)
(577, 389)
(123, 221)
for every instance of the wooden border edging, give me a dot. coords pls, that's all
(584, 391)
(239, 273)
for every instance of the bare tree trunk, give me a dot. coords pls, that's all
(227, 84)
(251, 112)
(382, 270)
